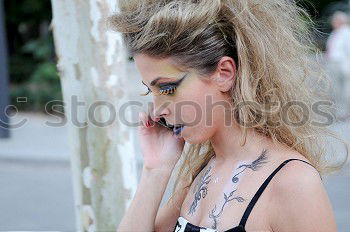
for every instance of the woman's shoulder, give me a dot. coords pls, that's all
(296, 174)
(298, 191)
(297, 171)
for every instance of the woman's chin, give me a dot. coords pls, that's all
(192, 137)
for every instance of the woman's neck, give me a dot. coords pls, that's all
(226, 144)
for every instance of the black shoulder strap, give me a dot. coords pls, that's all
(261, 190)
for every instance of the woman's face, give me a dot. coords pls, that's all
(197, 104)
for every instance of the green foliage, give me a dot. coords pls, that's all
(33, 72)
(322, 8)
(40, 49)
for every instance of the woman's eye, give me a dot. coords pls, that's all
(167, 90)
(163, 90)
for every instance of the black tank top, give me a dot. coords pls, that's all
(183, 225)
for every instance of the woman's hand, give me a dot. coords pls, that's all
(160, 148)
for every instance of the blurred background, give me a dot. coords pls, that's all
(35, 176)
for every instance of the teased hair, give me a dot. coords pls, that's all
(269, 40)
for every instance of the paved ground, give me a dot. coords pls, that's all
(36, 196)
(35, 178)
(338, 188)
(36, 187)
(35, 140)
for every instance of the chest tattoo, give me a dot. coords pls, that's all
(201, 190)
(217, 211)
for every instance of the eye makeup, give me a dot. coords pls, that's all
(165, 88)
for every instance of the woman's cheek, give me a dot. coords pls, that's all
(198, 134)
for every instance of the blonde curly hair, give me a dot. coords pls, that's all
(270, 43)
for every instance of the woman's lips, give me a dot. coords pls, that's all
(177, 129)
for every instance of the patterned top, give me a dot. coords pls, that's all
(183, 225)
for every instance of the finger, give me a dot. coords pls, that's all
(143, 118)
(151, 112)
(151, 115)
(146, 119)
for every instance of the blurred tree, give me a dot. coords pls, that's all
(92, 63)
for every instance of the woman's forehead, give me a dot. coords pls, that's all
(154, 67)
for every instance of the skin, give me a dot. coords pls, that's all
(296, 190)
(339, 20)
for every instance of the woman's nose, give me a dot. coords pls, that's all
(161, 111)
(158, 109)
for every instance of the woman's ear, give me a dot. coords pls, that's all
(225, 74)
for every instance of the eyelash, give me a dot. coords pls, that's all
(166, 90)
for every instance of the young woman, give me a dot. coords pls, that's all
(230, 78)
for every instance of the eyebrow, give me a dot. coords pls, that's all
(154, 82)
